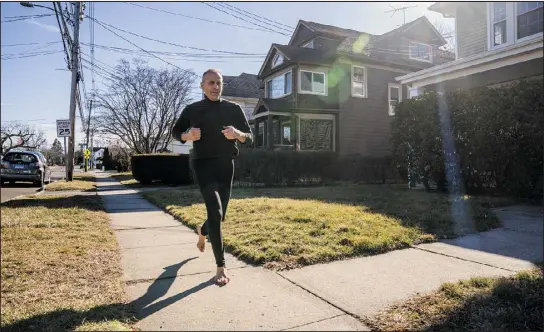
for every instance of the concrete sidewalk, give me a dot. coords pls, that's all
(169, 279)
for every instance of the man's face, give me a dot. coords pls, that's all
(212, 85)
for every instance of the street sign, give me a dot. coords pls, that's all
(63, 128)
(87, 154)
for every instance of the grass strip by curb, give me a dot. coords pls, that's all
(61, 266)
(81, 182)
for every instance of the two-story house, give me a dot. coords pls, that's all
(496, 43)
(334, 89)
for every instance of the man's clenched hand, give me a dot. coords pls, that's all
(192, 134)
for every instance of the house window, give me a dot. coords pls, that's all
(280, 85)
(286, 133)
(420, 51)
(394, 97)
(499, 23)
(316, 134)
(260, 137)
(278, 60)
(529, 18)
(311, 82)
(358, 81)
(309, 44)
(512, 22)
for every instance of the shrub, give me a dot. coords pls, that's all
(169, 168)
(483, 140)
(292, 168)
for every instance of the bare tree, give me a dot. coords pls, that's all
(141, 104)
(16, 135)
(447, 32)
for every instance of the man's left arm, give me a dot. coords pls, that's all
(245, 134)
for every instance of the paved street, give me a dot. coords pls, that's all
(10, 191)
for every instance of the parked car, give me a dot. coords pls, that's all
(25, 166)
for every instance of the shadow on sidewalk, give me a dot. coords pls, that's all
(69, 319)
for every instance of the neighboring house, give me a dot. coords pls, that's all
(333, 89)
(245, 90)
(496, 43)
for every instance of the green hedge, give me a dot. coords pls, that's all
(485, 140)
(291, 168)
(168, 168)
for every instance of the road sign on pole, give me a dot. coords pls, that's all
(64, 128)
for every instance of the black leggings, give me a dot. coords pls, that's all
(214, 178)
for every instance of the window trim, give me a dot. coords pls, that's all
(267, 83)
(410, 42)
(399, 88)
(511, 27)
(365, 83)
(304, 92)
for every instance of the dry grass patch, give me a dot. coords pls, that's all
(289, 227)
(60, 266)
(479, 304)
(81, 182)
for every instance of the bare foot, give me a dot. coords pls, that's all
(201, 244)
(221, 277)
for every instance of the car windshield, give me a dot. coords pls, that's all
(24, 157)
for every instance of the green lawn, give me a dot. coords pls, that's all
(291, 227)
(61, 266)
(478, 304)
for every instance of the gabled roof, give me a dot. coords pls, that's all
(242, 86)
(328, 29)
(406, 27)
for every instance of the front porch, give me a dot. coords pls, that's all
(295, 129)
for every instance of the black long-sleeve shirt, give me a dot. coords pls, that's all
(211, 117)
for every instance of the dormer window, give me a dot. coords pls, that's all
(278, 60)
(309, 44)
(420, 51)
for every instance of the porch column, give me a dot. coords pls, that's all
(269, 128)
(294, 132)
(255, 132)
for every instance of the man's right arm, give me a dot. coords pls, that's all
(181, 125)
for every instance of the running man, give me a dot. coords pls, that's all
(214, 126)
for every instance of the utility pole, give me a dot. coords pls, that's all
(88, 133)
(75, 79)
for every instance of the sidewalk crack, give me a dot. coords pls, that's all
(463, 259)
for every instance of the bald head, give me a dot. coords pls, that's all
(212, 84)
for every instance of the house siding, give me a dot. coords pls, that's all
(397, 49)
(471, 24)
(364, 122)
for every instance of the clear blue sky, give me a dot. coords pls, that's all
(35, 92)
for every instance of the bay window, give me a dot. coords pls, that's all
(280, 85)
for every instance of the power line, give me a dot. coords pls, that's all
(196, 18)
(24, 18)
(169, 43)
(272, 22)
(12, 56)
(240, 18)
(28, 44)
(62, 36)
(128, 41)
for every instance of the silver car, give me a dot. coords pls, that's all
(25, 166)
